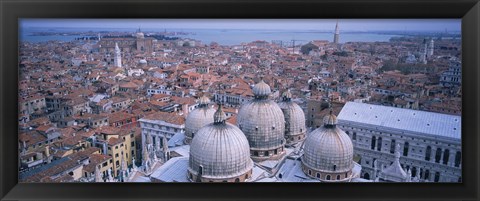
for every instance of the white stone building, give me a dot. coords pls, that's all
(430, 142)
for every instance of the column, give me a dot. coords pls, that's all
(451, 158)
(441, 156)
(433, 154)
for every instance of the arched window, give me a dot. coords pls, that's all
(334, 167)
(338, 177)
(200, 170)
(392, 147)
(405, 149)
(428, 152)
(366, 176)
(309, 172)
(266, 153)
(414, 171)
(379, 144)
(458, 158)
(437, 176)
(275, 152)
(438, 155)
(354, 136)
(318, 175)
(446, 155)
(372, 145)
(427, 174)
(328, 177)
(237, 180)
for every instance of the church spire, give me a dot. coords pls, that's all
(118, 56)
(337, 34)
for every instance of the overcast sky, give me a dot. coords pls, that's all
(291, 24)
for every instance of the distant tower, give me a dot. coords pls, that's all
(430, 49)
(118, 56)
(99, 37)
(337, 34)
(423, 52)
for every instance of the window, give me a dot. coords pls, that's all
(104, 164)
(405, 149)
(354, 137)
(338, 177)
(458, 158)
(446, 155)
(428, 152)
(372, 145)
(379, 144)
(392, 147)
(318, 175)
(438, 155)
(328, 177)
(309, 172)
(437, 176)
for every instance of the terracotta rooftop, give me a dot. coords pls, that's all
(167, 117)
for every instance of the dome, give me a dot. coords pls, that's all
(263, 123)
(262, 89)
(142, 61)
(295, 127)
(328, 152)
(220, 152)
(139, 35)
(198, 118)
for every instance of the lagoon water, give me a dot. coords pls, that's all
(223, 37)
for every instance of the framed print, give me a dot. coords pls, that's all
(244, 100)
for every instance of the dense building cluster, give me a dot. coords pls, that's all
(130, 107)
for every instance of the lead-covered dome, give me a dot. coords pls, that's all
(263, 123)
(295, 127)
(328, 152)
(262, 89)
(219, 153)
(198, 118)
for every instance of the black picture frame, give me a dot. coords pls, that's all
(468, 10)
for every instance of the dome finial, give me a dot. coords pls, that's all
(287, 96)
(203, 101)
(219, 117)
(261, 90)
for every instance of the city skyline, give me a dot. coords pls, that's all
(417, 25)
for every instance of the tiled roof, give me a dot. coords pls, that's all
(166, 117)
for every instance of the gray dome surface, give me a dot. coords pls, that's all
(261, 89)
(328, 147)
(198, 118)
(263, 123)
(294, 118)
(222, 150)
